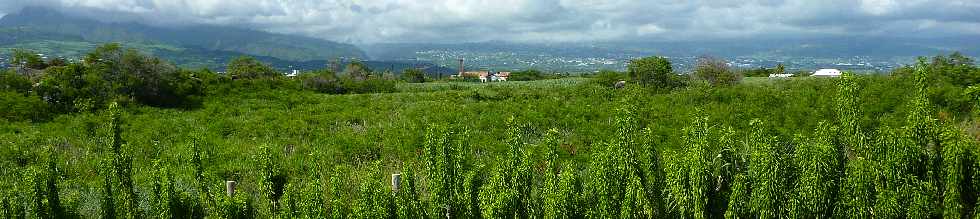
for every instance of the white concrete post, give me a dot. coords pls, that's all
(396, 182)
(230, 188)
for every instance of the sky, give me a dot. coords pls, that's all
(546, 21)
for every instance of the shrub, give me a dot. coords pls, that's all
(412, 75)
(63, 87)
(408, 199)
(375, 201)
(608, 78)
(561, 195)
(817, 162)
(654, 71)
(274, 177)
(18, 107)
(447, 158)
(12, 82)
(497, 199)
(526, 75)
(323, 81)
(716, 72)
(739, 199)
(246, 67)
(767, 171)
(857, 194)
(689, 173)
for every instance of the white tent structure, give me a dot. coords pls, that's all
(826, 73)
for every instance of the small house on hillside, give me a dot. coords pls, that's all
(828, 73)
(501, 76)
(780, 75)
(294, 73)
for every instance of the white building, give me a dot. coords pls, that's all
(830, 73)
(293, 74)
(780, 75)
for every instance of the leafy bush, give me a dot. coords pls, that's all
(63, 87)
(716, 72)
(412, 75)
(608, 78)
(111, 74)
(816, 159)
(526, 75)
(13, 82)
(246, 67)
(654, 71)
(18, 107)
(447, 159)
(766, 174)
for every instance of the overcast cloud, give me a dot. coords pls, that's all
(373, 21)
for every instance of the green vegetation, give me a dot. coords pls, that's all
(527, 75)
(412, 75)
(858, 146)
(33, 24)
(248, 68)
(655, 72)
(764, 72)
(716, 72)
(609, 78)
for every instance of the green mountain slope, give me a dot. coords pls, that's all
(46, 24)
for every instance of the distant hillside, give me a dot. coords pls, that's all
(817, 48)
(47, 24)
(188, 57)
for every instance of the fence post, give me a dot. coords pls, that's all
(396, 182)
(230, 188)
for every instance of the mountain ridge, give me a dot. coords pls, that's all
(251, 42)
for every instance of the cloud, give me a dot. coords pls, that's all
(370, 21)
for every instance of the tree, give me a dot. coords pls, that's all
(653, 71)
(246, 67)
(413, 75)
(715, 72)
(28, 59)
(323, 81)
(144, 78)
(357, 70)
(74, 88)
(57, 62)
(11, 81)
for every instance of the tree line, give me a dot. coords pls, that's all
(36, 89)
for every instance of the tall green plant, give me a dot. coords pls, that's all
(958, 194)
(408, 199)
(857, 195)
(508, 191)
(375, 201)
(766, 173)
(274, 177)
(447, 159)
(619, 184)
(120, 164)
(818, 164)
(738, 200)
(689, 172)
(561, 195)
